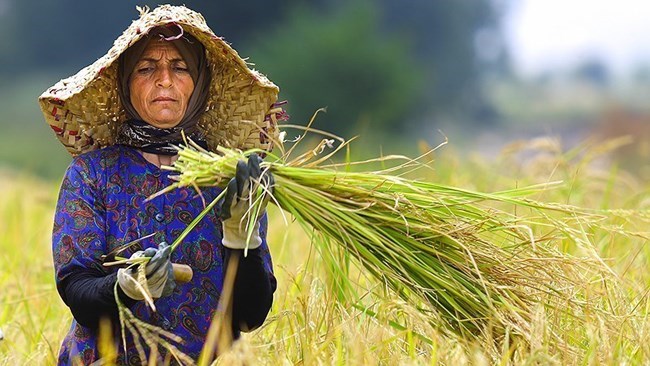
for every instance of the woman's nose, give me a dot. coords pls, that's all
(164, 77)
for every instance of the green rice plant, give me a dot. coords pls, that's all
(307, 324)
(472, 268)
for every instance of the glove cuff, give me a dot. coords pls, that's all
(235, 238)
(128, 284)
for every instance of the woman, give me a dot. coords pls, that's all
(167, 73)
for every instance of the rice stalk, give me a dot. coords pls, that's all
(478, 269)
(151, 335)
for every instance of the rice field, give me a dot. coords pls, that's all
(316, 321)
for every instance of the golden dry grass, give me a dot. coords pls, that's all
(309, 325)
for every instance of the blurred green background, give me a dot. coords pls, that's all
(394, 72)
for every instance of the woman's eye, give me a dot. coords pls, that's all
(181, 69)
(145, 70)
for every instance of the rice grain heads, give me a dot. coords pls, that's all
(476, 269)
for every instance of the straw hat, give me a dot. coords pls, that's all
(85, 111)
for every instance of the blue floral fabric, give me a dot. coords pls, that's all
(102, 205)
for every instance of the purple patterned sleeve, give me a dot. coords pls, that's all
(78, 237)
(264, 247)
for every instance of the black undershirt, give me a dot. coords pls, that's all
(89, 293)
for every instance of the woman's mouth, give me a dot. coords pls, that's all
(164, 99)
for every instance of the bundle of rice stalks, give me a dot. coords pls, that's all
(145, 333)
(476, 270)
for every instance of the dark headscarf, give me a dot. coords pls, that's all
(138, 133)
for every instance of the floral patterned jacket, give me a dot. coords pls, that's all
(102, 205)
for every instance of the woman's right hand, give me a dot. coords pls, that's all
(159, 273)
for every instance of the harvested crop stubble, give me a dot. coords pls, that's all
(477, 270)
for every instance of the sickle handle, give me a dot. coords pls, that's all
(182, 272)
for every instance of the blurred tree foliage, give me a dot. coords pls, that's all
(340, 61)
(461, 44)
(70, 34)
(392, 63)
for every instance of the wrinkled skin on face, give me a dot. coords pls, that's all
(160, 85)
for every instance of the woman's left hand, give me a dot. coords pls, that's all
(238, 200)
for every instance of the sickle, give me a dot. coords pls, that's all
(182, 272)
(110, 257)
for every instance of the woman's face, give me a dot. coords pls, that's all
(160, 85)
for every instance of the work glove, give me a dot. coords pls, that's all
(236, 203)
(158, 271)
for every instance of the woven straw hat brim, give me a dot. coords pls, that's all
(85, 111)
